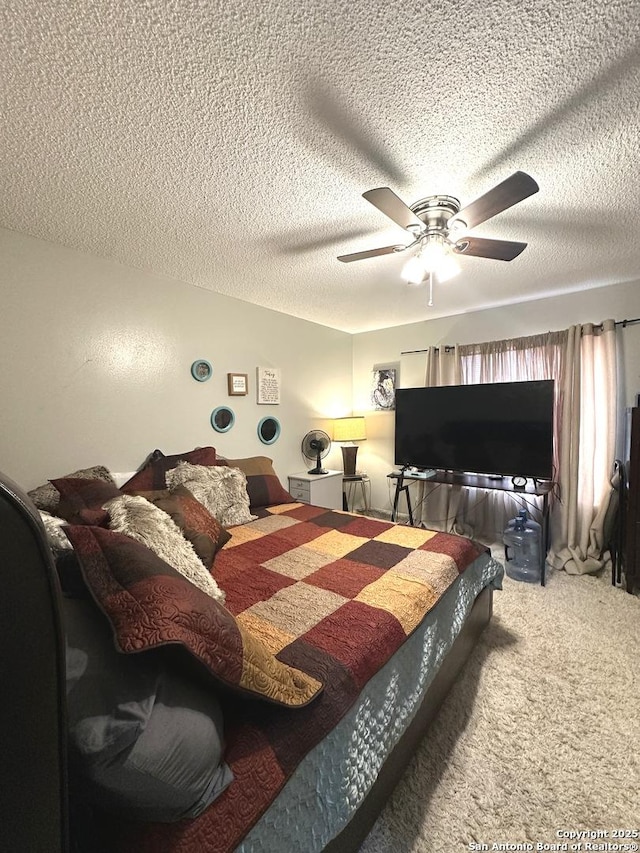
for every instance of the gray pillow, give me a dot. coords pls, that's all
(144, 742)
(221, 489)
(47, 497)
(56, 537)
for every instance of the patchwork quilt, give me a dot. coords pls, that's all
(332, 594)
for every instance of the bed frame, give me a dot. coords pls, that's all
(34, 807)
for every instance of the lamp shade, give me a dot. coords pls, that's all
(349, 429)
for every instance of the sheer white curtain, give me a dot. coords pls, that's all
(582, 361)
(479, 512)
(517, 359)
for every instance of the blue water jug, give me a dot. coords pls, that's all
(522, 551)
(528, 522)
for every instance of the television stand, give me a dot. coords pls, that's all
(401, 486)
(538, 488)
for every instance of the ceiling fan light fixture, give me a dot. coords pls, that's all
(447, 268)
(414, 271)
(432, 252)
(433, 257)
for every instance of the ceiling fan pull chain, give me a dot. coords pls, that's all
(430, 302)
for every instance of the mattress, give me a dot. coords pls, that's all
(367, 607)
(334, 778)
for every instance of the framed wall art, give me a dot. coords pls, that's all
(268, 385)
(269, 430)
(237, 384)
(383, 388)
(222, 419)
(201, 370)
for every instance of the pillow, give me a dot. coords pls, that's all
(152, 474)
(137, 517)
(56, 537)
(81, 500)
(47, 497)
(122, 477)
(66, 562)
(263, 486)
(222, 490)
(149, 604)
(198, 526)
(143, 740)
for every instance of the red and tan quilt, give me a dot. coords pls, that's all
(334, 595)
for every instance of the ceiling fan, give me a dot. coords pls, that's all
(438, 226)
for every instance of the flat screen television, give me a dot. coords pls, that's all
(501, 428)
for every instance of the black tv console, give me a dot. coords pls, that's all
(538, 488)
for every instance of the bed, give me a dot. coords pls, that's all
(348, 633)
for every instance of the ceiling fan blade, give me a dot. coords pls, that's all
(371, 253)
(512, 190)
(480, 247)
(388, 203)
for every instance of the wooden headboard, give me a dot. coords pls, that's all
(33, 763)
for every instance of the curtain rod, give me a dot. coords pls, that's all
(447, 348)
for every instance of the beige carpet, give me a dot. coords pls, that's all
(540, 733)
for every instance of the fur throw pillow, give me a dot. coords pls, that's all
(140, 519)
(56, 537)
(222, 490)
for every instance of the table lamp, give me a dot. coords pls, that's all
(349, 429)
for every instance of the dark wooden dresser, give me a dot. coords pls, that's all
(632, 545)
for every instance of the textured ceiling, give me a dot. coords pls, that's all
(227, 144)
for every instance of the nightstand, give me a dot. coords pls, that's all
(317, 489)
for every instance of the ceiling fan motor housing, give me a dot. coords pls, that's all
(436, 211)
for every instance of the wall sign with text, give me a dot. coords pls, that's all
(237, 384)
(268, 385)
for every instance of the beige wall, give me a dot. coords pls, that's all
(95, 366)
(95, 361)
(375, 455)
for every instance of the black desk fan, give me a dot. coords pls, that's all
(315, 445)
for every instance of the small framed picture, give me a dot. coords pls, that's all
(237, 384)
(383, 388)
(201, 370)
